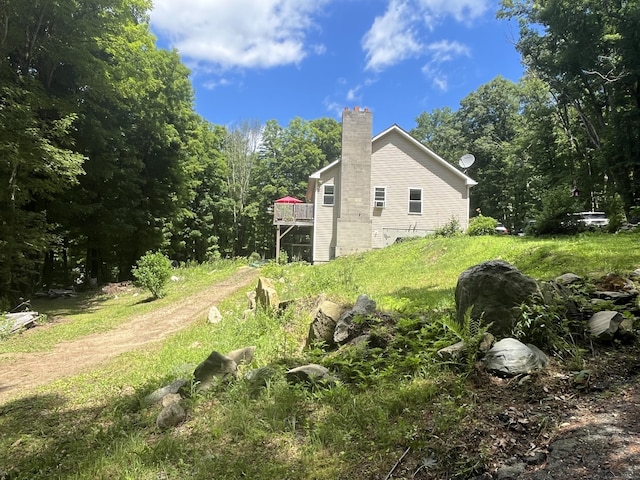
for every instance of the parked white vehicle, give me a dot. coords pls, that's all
(593, 219)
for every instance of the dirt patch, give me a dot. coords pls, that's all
(22, 372)
(553, 427)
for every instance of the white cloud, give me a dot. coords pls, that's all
(334, 108)
(391, 38)
(354, 93)
(213, 84)
(238, 33)
(396, 35)
(441, 52)
(461, 10)
(445, 51)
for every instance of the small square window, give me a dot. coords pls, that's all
(329, 196)
(415, 200)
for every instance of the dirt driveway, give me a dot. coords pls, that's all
(22, 372)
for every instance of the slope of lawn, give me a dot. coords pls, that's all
(96, 426)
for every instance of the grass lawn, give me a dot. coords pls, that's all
(96, 426)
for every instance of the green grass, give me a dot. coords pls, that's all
(95, 311)
(95, 426)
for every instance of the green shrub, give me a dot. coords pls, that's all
(557, 214)
(482, 225)
(283, 258)
(152, 273)
(449, 229)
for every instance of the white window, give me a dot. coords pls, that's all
(328, 194)
(415, 200)
(379, 197)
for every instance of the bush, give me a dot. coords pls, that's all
(449, 229)
(557, 215)
(482, 225)
(152, 273)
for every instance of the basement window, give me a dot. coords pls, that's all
(328, 195)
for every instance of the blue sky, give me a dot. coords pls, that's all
(280, 59)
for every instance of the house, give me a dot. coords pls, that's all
(382, 189)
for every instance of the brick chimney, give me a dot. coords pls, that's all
(354, 219)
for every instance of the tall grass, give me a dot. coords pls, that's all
(96, 426)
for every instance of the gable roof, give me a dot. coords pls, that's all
(396, 129)
(324, 169)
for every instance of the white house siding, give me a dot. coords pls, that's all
(324, 235)
(398, 164)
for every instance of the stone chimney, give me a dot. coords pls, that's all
(353, 232)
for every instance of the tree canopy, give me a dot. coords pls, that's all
(103, 158)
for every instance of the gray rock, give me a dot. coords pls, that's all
(604, 324)
(364, 306)
(455, 351)
(324, 323)
(266, 295)
(171, 416)
(215, 366)
(493, 290)
(171, 398)
(311, 373)
(344, 326)
(511, 472)
(511, 357)
(159, 394)
(251, 296)
(259, 377)
(242, 355)
(214, 315)
(618, 297)
(568, 279)
(452, 352)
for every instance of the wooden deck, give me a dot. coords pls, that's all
(293, 214)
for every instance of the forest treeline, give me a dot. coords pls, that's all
(103, 157)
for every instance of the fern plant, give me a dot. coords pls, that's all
(471, 332)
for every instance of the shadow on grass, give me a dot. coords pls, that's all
(44, 436)
(84, 302)
(148, 299)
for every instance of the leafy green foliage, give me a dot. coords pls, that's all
(557, 214)
(471, 332)
(585, 51)
(482, 225)
(152, 273)
(397, 396)
(449, 229)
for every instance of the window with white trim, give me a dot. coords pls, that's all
(379, 197)
(415, 201)
(328, 195)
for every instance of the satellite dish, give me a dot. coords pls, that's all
(466, 160)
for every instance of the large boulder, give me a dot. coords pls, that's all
(266, 295)
(325, 319)
(493, 290)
